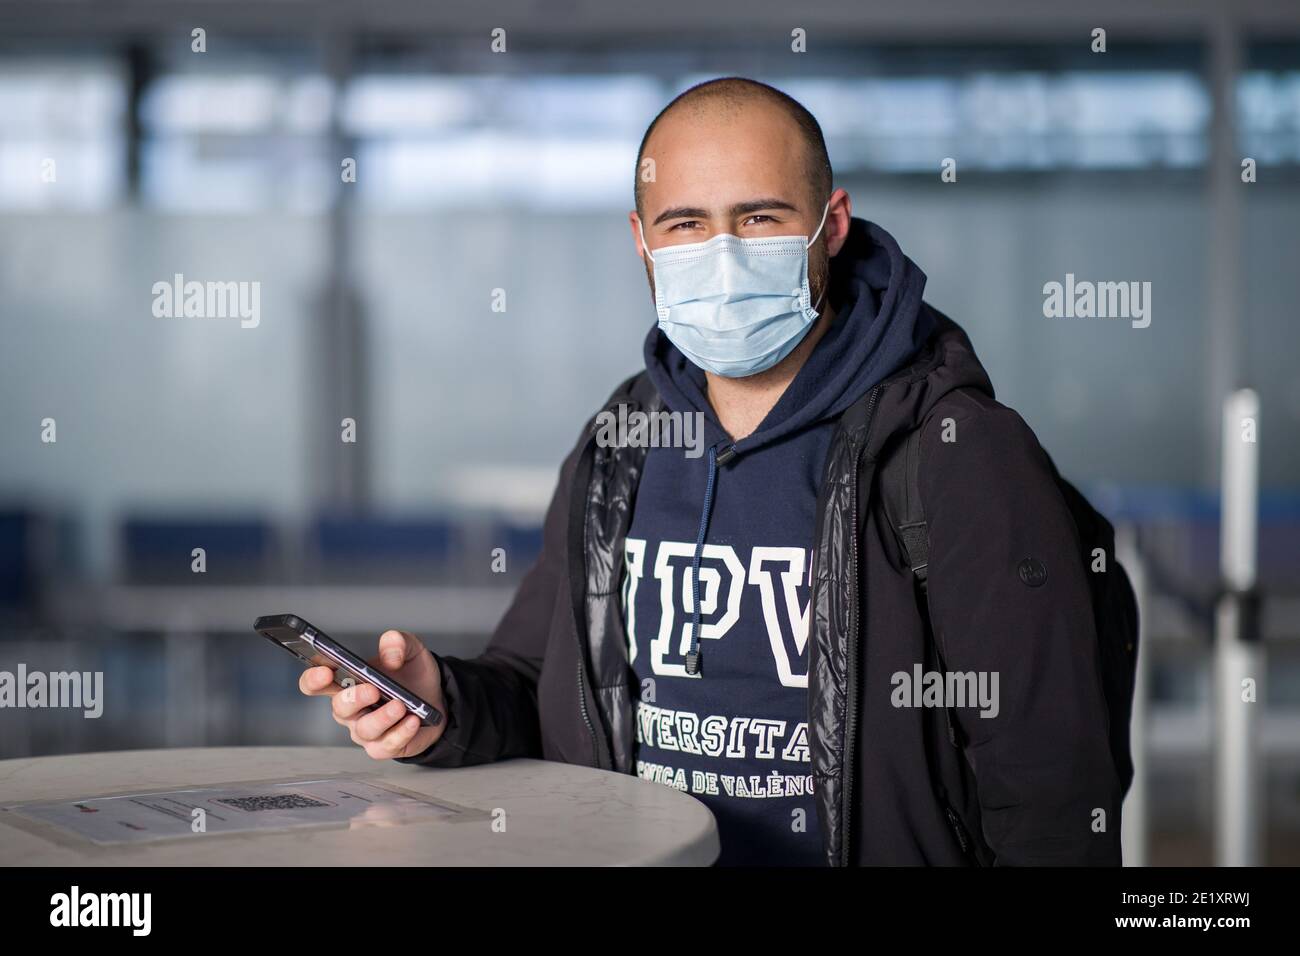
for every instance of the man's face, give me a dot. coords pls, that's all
(741, 171)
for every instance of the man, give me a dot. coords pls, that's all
(743, 624)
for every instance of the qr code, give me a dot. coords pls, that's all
(278, 801)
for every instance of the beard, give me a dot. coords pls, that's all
(819, 274)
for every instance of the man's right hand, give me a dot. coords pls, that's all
(390, 731)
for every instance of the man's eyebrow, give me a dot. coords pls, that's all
(757, 205)
(739, 209)
(681, 212)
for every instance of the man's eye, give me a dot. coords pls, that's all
(688, 224)
(758, 220)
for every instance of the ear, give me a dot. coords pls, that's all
(837, 221)
(633, 220)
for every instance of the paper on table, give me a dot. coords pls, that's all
(200, 811)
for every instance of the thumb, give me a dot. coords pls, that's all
(398, 647)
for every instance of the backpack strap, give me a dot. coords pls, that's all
(900, 493)
(900, 489)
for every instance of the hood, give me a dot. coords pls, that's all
(880, 323)
(945, 364)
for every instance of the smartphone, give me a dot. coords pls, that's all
(317, 649)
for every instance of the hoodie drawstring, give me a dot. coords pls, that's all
(694, 656)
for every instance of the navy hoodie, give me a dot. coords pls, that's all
(735, 735)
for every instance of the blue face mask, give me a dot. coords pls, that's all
(733, 306)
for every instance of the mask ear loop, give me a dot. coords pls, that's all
(825, 212)
(644, 247)
(817, 307)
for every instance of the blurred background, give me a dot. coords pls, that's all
(479, 170)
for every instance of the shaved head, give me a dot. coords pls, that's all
(725, 99)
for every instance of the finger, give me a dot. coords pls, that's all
(378, 722)
(352, 700)
(318, 681)
(394, 743)
(396, 648)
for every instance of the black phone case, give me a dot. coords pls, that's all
(273, 628)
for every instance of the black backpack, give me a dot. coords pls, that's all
(1114, 605)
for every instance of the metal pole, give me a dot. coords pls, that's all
(342, 337)
(1136, 821)
(1238, 656)
(1224, 319)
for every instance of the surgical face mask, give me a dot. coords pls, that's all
(733, 306)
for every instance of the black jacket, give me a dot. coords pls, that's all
(893, 785)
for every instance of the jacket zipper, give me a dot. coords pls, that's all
(851, 662)
(958, 830)
(586, 717)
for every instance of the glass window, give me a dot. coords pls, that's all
(62, 141)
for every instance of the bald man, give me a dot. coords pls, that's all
(741, 619)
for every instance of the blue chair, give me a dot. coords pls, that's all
(19, 575)
(369, 547)
(523, 543)
(160, 550)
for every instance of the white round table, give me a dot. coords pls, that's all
(513, 813)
